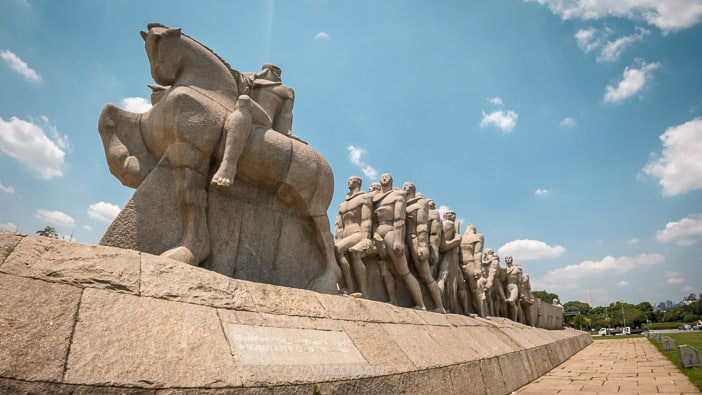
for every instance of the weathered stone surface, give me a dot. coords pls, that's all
(126, 340)
(378, 347)
(167, 279)
(8, 241)
(515, 369)
(467, 379)
(420, 348)
(348, 308)
(279, 320)
(288, 301)
(72, 263)
(493, 376)
(36, 320)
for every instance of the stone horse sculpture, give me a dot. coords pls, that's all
(195, 107)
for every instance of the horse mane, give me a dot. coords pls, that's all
(235, 73)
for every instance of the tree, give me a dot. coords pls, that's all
(547, 297)
(48, 231)
(581, 321)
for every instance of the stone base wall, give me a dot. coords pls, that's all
(93, 319)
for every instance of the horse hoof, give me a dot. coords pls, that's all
(181, 254)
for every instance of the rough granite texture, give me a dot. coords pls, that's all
(90, 319)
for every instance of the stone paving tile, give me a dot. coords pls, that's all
(626, 366)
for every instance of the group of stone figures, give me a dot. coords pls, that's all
(405, 233)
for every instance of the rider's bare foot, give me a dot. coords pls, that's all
(180, 254)
(224, 175)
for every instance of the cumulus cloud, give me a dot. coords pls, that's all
(8, 189)
(633, 81)
(568, 123)
(322, 36)
(10, 227)
(668, 16)
(609, 265)
(505, 120)
(356, 157)
(588, 39)
(496, 101)
(613, 49)
(633, 241)
(15, 63)
(136, 104)
(529, 250)
(542, 192)
(673, 278)
(683, 232)
(55, 217)
(679, 167)
(623, 283)
(101, 211)
(28, 143)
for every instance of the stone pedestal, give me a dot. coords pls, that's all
(93, 319)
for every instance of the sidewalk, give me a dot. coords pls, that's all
(632, 366)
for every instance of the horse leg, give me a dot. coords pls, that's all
(191, 181)
(127, 156)
(325, 282)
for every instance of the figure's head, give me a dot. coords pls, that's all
(489, 251)
(432, 204)
(470, 229)
(374, 187)
(164, 54)
(270, 72)
(354, 182)
(409, 188)
(508, 259)
(386, 180)
(450, 215)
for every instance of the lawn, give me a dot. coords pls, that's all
(693, 339)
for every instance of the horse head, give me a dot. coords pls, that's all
(163, 47)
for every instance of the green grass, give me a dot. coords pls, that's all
(693, 339)
(617, 337)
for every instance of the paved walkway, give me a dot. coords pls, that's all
(631, 366)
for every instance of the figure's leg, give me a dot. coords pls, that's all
(388, 280)
(422, 267)
(191, 181)
(463, 294)
(402, 269)
(359, 270)
(237, 130)
(126, 154)
(341, 249)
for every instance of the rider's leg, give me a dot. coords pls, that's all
(237, 129)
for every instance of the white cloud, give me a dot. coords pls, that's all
(588, 39)
(529, 250)
(684, 232)
(568, 123)
(88, 228)
(55, 217)
(15, 63)
(666, 15)
(689, 289)
(496, 101)
(623, 283)
(8, 189)
(355, 156)
(322, 36)
(542, 192)
(609, 265)
(679, 168)
(633, 81)
(105, 212)
(633, 241)
(10, 227)
(505, 120)
(136, 104)
(613, 49)
(673, 278)
(28, 143)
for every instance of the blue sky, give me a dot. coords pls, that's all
(568, 132)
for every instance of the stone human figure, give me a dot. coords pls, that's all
(389, 213)
(526, 300)
(514, 277)
(263, 100)
(417, 239)
(499, 304)
(353, 236)
(450, 279)
(490, 265)
(379, 250)
(471, 253)
(435, 234)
